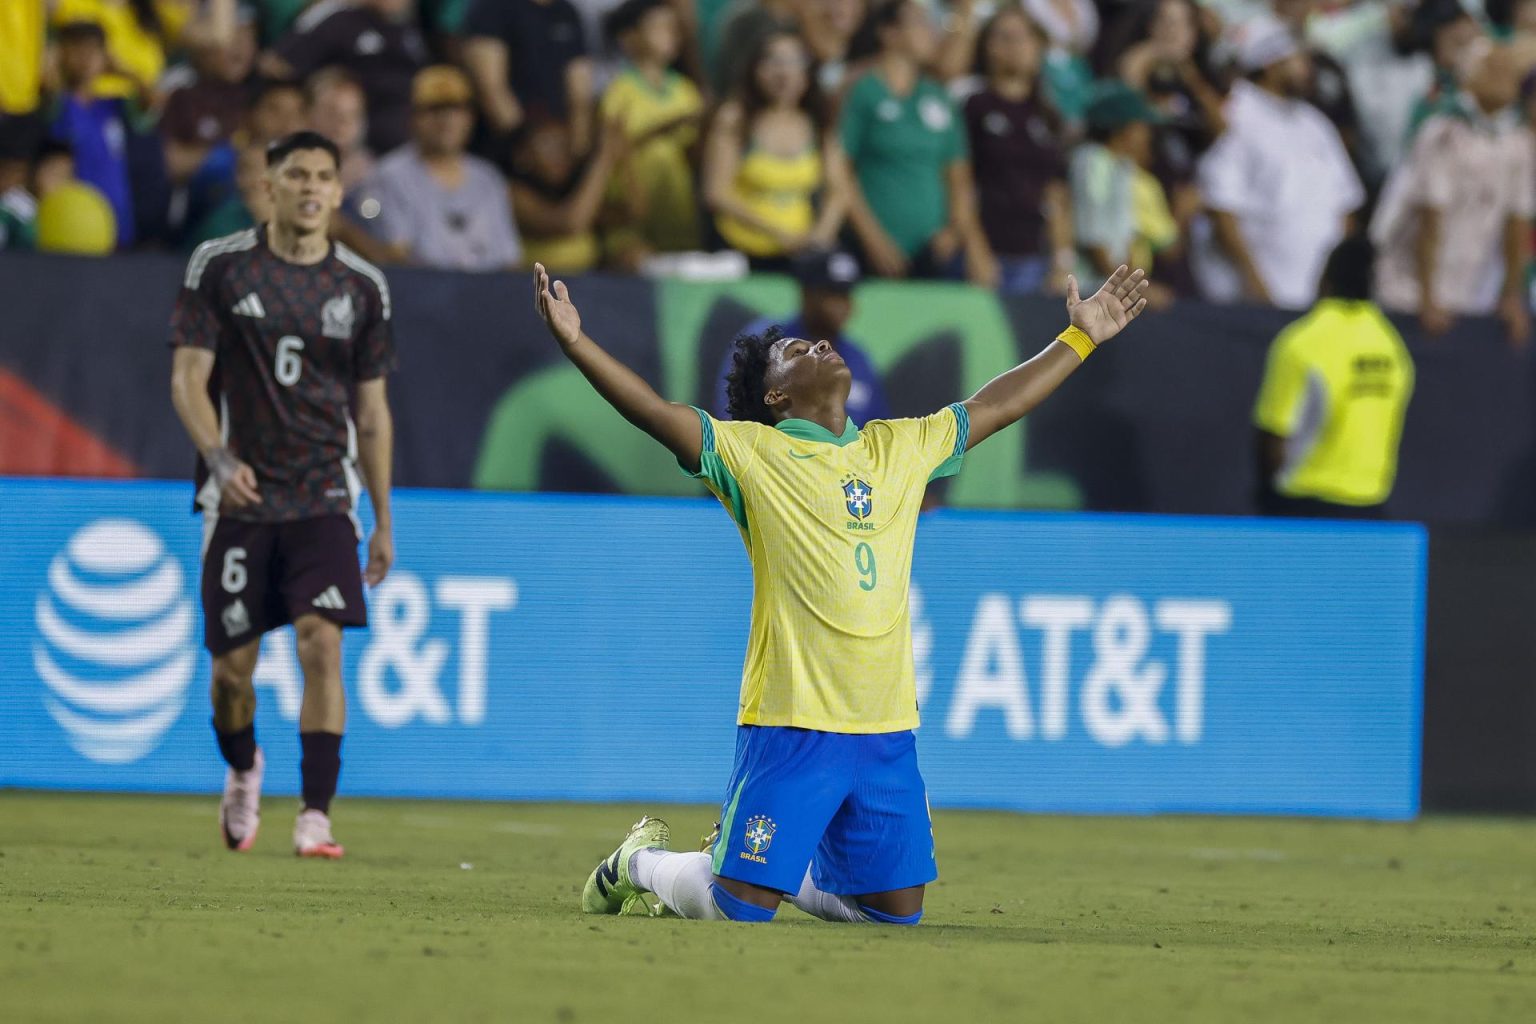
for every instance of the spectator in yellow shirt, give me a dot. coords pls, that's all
(659, 110)
(139, 32)
(22, 36)
(1330, 410)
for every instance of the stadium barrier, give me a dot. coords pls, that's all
(1480, 660)
(1158, 422)
(563, 647)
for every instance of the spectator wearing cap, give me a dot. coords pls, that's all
(529, 58)
(769, 156)
(1329, 414)
(338, 109)
(376, 40)
(826, 280)
(659, 110)
(95, 128)
(1460, 205)
(912, 200)
(431, 202)
(1019, 159)
(1278, 185)
(1119, 212)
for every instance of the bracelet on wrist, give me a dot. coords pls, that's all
(1077, 340)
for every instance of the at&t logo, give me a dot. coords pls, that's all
(114, 640)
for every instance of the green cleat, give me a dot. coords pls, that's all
(609, 887)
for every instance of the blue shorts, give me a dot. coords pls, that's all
(851, 807)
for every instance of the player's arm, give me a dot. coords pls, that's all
(675, 426)
(375, 452)
(1010, 397)
(190, 370)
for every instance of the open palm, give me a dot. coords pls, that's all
(555, 306)
(1105, 313)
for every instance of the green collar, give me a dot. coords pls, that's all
(805, 430)
(661, 91)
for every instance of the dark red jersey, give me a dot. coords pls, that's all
(291, 343)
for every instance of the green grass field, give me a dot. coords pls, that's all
(118, 908)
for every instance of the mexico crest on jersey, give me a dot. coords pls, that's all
(337, 317)
(858, 494)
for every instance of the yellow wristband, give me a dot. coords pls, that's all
(1076, 339)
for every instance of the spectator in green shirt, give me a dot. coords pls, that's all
(912, 202)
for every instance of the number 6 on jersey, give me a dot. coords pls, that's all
(289, 365)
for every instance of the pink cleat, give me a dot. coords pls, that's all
(240, 810)
(312, 836)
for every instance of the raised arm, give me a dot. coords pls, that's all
(1010, 397)
(675, 426)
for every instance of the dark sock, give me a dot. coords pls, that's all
(320, 766)
(238, 747)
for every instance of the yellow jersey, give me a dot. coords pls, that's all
(777, 189)
(139, 55)
(23, 31)
(829, 522)
(1336, 388)
(659, 160)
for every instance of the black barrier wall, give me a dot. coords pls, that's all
(1480, 672)
(1158, 421)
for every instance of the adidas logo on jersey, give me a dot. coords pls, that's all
(249, 306)
(330, 599)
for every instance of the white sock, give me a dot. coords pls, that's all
(680, 880)
(826, 905)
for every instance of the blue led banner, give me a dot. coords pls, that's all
(565, 647)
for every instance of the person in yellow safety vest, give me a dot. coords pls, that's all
(1329, 415)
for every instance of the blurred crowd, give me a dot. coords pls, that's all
(1228, 145)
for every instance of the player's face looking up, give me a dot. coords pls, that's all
(804, 375)
(306, 189)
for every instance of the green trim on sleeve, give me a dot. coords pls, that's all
(951, 465)
(716, 474)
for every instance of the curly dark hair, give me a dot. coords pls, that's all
(746, 383)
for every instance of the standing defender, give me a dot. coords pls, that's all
(274, 331)
(826, 773)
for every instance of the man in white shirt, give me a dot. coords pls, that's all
(429, 201)
(1278, 185)
(1454, 223)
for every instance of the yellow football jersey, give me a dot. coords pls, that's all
(829, 522)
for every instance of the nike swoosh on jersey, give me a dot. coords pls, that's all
(797, 455)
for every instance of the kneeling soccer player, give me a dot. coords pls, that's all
(825, 804)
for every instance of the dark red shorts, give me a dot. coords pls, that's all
(260, 576)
